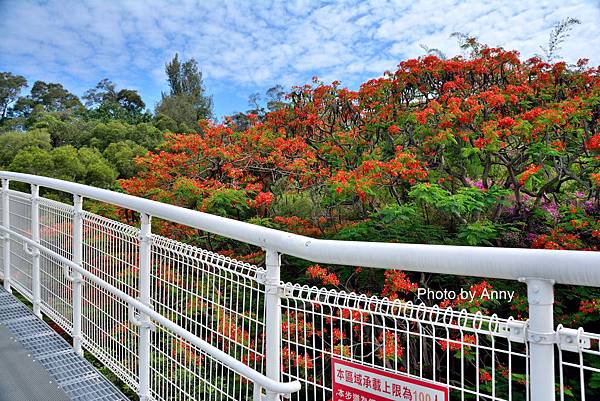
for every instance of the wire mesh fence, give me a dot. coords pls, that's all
(219, 300)
(578, 364)
(222, 301)
(475, 356)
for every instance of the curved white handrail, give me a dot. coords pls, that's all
(565, 267)
(237, 366)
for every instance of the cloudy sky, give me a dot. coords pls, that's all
(248, 46)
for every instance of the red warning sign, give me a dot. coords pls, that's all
(353, 382)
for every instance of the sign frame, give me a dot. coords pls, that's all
(395, 376)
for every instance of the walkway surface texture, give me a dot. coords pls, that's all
(37, 364)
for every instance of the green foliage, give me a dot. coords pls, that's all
(33, 160)
(393, 223)
(121, 155)
(64, 129)
(50, 97)
(186, 102)
(300, 204)
(106, 103)
(98, 172)
(114, 131)
(466, 204)
(165, 123)
(66, 162)
(187, 193)
(145, 135)
(12, 142)
(10, 87)
(179, 109)
(228, 203)
(478, 233)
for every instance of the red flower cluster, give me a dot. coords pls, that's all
(322, 274)
(397, 281)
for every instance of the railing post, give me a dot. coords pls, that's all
(6, 236)
(145, 298)
(541, 337)
(273, 318)
(77, 278)
(35, 236)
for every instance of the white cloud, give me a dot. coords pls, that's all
(251, 45)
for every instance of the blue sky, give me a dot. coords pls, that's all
(245, 47)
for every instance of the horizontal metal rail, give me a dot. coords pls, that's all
(237, 366)
(563, 267)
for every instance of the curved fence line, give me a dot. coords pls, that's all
(136, 305)
(565, 267)
(178, 322)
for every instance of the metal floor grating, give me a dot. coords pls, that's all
(73, 374)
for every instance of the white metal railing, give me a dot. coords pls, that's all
(232, 312)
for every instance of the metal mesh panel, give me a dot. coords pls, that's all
(20, 221)
(56, 234)
(219, 300)
(110, 251)
(579, 364)
(470, 353)
(222, 301)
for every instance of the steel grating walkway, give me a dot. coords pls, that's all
(37, 364)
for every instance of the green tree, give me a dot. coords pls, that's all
(130, 100)
(106, 103)
(121, 155)
(52, 97)
(33, 160)
(276, 98)
(12, 142)
(64, 129)
(67, 165)
(10, 87)
(186, 102)
(104, 91)
(99, 172)
(104, 134)
(86, 165)
(144, 134)
(180, 110)
(165, 123)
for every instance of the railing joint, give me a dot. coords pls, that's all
(33, 251)
(72, 276)
(514, 330)
(145, 238)
(140, 319)
(537, 337)
(572, 339)
(272, 285)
